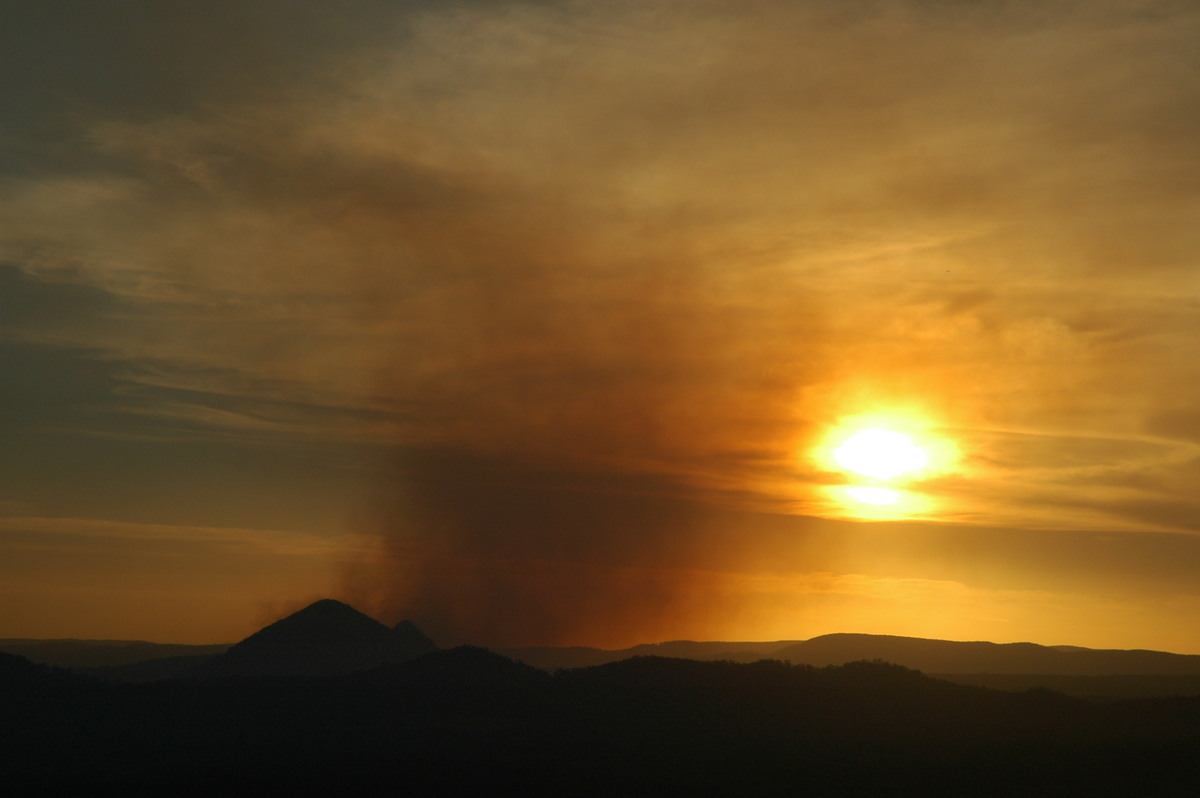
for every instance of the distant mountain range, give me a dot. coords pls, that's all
(951, 657)
(553, 657)
(330, 638)
(101, 653)
(929, 656)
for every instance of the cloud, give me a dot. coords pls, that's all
(656, 248)
(45, 532)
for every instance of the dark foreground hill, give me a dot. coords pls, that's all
(469, 722)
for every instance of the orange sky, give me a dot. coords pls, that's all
(532, 321)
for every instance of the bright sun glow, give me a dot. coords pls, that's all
(878, 503)
(883, 457)
(880, 454)
(879, 497)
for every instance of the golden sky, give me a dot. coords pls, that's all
(537, 322)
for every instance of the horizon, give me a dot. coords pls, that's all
(501, 647)
(561, 324)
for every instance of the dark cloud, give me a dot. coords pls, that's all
(146, 58)
(28, 306)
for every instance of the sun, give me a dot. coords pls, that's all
(879, 459)
(881, 454)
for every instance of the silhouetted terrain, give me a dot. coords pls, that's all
(1072, 670)
(329, 700)
(947, 656)
(468, 721)
(101, 653)
(21, 679)
(1095, 687)
(929, 656)
(552, 657)
(330, 637)
(325, 638)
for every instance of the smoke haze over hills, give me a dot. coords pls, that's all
(528, 320)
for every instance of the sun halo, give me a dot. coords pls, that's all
(876, 455)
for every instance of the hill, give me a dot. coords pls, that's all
(469, 722)
(325, 638)
(101, 653)
(552, 658)
(953, 657)
(330, 637)
(1091, 673)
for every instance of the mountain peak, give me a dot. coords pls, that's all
(328, 605)
(408, 632)
(326, 637)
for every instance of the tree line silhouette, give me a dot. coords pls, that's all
(468, 721)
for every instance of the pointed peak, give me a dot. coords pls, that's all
(327, 606)
(413, 637)
(327, 618)
(328, 603)
(407, 627)
(331, 609)
(326, 637)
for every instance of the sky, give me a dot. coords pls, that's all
(539, 323)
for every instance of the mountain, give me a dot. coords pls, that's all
(412, 637)
(953, 657)
(553, 658)
(940, 657)
(101, 653)
(20, 678)
(1084, 672)
(330, 637)
(325, 638)
(469, 722)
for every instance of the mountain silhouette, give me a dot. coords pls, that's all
(326, 638)
(20, 678)
(102, 653)
(554, 657)
(332, 638)
(1072, 670)
(413, 637)
(954, 657)
(467, 721)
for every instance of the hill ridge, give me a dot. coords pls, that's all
(325, 638)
